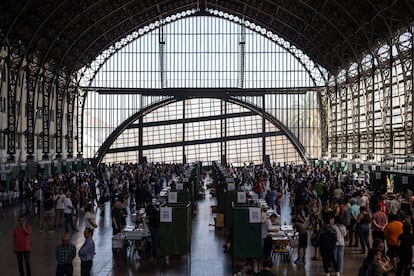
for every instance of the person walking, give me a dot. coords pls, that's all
(87, 252)
(65, 253)
(21, 235)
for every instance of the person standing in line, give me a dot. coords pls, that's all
(65, 253)
(21, 235)
(87, 252)
(68, 211)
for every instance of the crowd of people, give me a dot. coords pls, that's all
(338, 209)
(59, 199)
(329, 208)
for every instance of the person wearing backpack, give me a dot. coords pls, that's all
(327, 244)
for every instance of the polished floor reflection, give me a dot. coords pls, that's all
(206, 257)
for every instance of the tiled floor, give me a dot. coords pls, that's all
(206, 258)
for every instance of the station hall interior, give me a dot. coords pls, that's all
(211, 96)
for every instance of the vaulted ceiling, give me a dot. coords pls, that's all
(71, 33)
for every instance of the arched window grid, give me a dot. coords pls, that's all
(293, 111)
(318, 73)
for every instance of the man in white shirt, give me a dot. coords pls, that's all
(67, 211)
(267, 227)
(59, 201)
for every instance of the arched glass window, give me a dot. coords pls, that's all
(204, 52)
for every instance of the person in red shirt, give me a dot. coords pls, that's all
(21, 235)
(383, 207)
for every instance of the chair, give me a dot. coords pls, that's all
(281, 250)
(219, 221)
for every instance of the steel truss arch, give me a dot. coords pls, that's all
(258, 111)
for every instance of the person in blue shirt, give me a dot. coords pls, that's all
(87, 252)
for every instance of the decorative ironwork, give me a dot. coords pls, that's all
(71, 97)
(60, 92)
(13, 60)
(47, 87)
(80, 96)
(31, 69)
(355, 105)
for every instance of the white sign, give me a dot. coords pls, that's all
(230, 186)
(374, 167)
(255, 215)
(179, 186)
(166, 214)
(172, 197)
(241, 197)
(405, 180)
